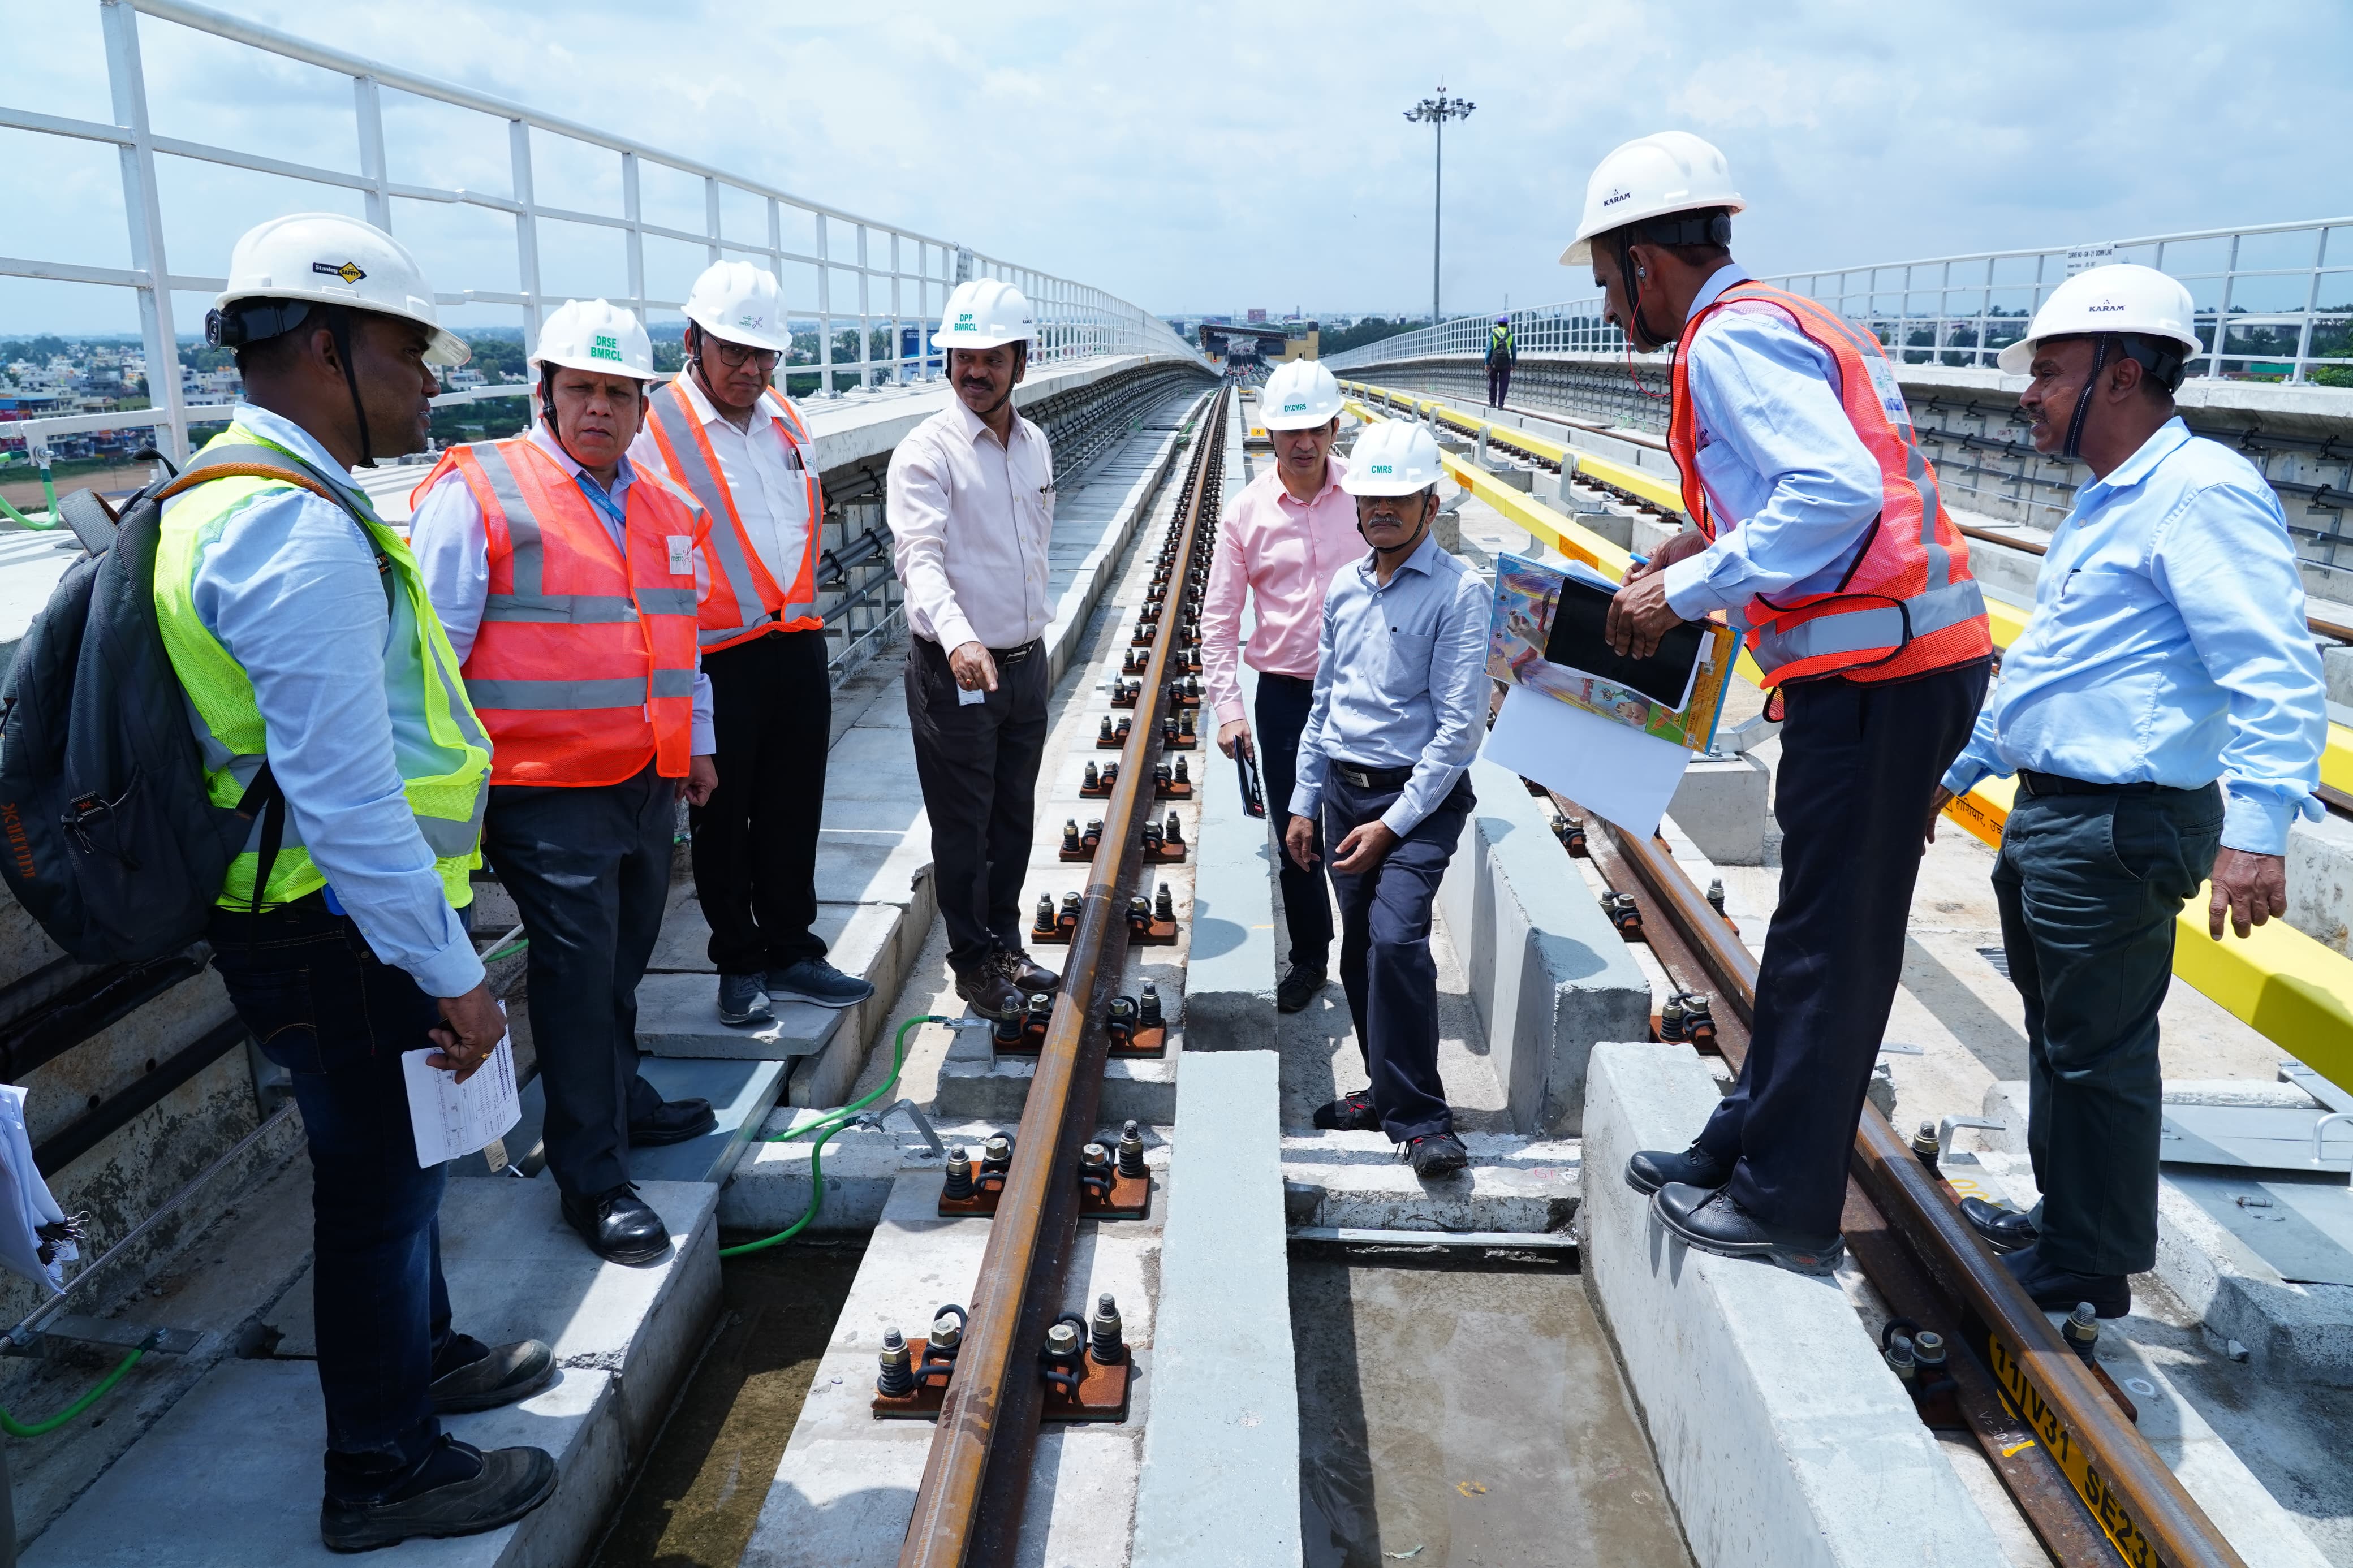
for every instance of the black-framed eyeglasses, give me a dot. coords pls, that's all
(734, 356)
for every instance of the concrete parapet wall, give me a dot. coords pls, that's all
(1782, 1437)
(1549, 973)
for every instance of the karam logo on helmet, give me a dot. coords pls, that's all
(349, 271)
(603, 347)
(2103, 308)
(1612, 199)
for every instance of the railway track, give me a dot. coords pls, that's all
(2056, 1431)
(968, 1509)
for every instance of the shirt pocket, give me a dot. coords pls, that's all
(1404, 662)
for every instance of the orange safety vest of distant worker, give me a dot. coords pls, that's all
(745, 601)
(1908, 604)
(583, 670)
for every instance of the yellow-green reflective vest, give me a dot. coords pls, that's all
(442, 752)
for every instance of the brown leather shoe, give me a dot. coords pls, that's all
(990, 993)
(1025, 973)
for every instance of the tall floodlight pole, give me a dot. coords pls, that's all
(1437, 112)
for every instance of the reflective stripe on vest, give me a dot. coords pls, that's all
(439, 745)
(582, 669)
(745, 600)
(1908, 604)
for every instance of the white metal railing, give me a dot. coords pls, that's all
(900, 278)
(2280, 294)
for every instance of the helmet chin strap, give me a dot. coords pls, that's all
(1633, 281)
(339, 323)
(2075, 446)
(1421, 531)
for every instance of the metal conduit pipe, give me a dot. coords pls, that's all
(2143, 1506)
(968, 1509)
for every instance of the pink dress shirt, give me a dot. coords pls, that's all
(1286, 552)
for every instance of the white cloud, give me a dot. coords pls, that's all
(1220, 155)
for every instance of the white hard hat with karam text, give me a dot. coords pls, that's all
(326, 259)
(983, 314)
(2119, 297)
(1394, 457)
(740, 303)
(595, 335)
(1652, 176)
(1300, 394)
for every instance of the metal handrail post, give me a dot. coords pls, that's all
(127, 84)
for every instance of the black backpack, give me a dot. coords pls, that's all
(111, 841)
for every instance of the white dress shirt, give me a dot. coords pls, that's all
(452, 546)
(971, 520)
(761, 469)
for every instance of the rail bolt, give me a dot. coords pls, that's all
(1924, 1145)
(1105, 733)
(1715, 894)
(1163, 907)
(898, 1378)
(947, 1332)
(1094, 777)
(1131, 1148)
(1043, 924)
(1183, 776)
(1063, 1341)
(959, 1175)
(1070, 830)
(1105, 1340)
(2082, 1331)
(997, 1154)
(1671, 1018)
(1174, 832)
(1899, 1360)
(1148, 1012)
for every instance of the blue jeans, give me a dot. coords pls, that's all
(324, 1007)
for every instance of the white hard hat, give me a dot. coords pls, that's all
(1394, 457)
(1651, 176)
(740, 303)
(1299, 395)
(2119, 297)
(591, 334)
(984, 313)
(330, 260)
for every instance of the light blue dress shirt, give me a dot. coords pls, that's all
(2168, 646)
(1791, 486)
(291, 590)
(452, 547)
(1400, 680)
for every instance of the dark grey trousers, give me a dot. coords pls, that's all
(977, 762)
(2089, 886)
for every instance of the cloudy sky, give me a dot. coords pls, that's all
(1218, 156)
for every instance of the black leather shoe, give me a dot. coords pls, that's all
(2057, 1289)
(1709, 1219)
(1437, 1154)
(1023, 973)
(675, 1123)
(1299, 988)
(1349, 1113)
(990, 994)
(464, 1490)
(1651, 1169)
(2004, 1229)
(619, 1226)
(471, 1375)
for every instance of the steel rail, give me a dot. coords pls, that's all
(1908, 1234)
(968, 1510)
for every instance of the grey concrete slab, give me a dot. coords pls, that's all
(517, 1271)
(230, 1479)
(1221, 1452)
(1782, 1436)
(862, 867)
(1140, 1088)
(678, 1016)
(1722, 804)
(1516, 1184)
(742, 1093)
(1229, 983)
(1547, 971)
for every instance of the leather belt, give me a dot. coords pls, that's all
(1357, 776)
(2035, 784)
(1002, 655)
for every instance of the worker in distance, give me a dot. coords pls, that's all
(301, 632)
(1819, 530)
(2164, 714)
(1400, 705)
(1280, 544)
(572, 584)
(725, 433)
(972, 522)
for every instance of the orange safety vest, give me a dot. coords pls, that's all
(1908, 604)
(745, 601)
(584, 667)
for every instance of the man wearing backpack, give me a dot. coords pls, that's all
(298, 624)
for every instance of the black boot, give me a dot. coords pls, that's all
(619, 1226)
(1651, 1169)
(1712, 1221)
(460, 1491)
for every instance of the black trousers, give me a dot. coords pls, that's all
(589, 870)
(2089, 886)
(1280, 709)
(1499, 382)
(1859, 763)
(1386, 965)
(755, 841)
(977, 763)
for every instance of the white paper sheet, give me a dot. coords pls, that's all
(1619, 773)
(25, 1202)
(453, 1119)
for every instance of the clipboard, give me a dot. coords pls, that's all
(1574, 641)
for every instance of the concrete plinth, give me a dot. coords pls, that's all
(1549, 973)
(1221, 1453)
(1140, 1088)
(1781, 1435)
(1229, 983)
(1527, 1186)
(1722, 803)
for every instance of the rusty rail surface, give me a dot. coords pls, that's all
(968, 1509)
(2087, 1482)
